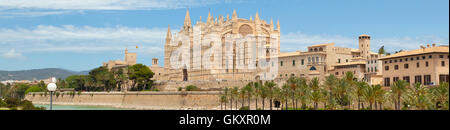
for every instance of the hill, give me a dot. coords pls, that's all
(37, 74)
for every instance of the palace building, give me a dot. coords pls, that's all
(428, 65)
(324, 59)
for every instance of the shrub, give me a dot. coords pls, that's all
(33, 89)
(192, 88)
(244, 108)
(180, 89)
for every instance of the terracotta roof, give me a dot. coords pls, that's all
(286, 54)
(351, 63)
(442, 49)
(318, 45)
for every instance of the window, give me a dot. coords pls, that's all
(443, 63)
(337, 73)
(387, 82)
(396, 67)
(441, 56)
(281, 63)
(303, 61)
(418, 58)
(426, 64)
(406, 78)
(386, 68)
(406, 59)
(401, 60)
(412, 59)
(418, 79)
(427, 79)
(376, 69)
(423, 57)
(406, 66)
(390, 61)
(385, 62)
(396, 79)
(430, 56)
(346, 60)
(395, 61)
(418, 64)
(293, 63)
(443, 78)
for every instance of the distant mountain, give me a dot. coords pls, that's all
(37, 74)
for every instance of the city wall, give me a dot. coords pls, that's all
(135, 100)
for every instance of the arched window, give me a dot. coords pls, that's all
(321, 49)
(313, 68)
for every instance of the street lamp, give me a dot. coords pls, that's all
(51, 87)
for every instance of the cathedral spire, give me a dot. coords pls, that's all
(278, 25)
(234, 17)
(187, 20)
(257, 17)
(169, 35)
(209, 20)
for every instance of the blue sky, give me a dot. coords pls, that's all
(81, 35)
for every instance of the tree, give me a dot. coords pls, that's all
(398, 89)
(270, 85)
(361, 89)
(381, 51)
(140, 75)
(101, 77)
(440, 96)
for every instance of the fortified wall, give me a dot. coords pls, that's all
(135, 100)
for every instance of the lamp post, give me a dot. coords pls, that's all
(51, 87)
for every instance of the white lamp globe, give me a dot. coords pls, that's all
(51, 87)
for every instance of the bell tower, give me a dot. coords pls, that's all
(364, 46)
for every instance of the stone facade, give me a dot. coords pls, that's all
(195, 70)
(130, 59)
(427, 65)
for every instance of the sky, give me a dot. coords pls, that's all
(80, 35)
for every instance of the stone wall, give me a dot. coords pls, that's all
(135, 100)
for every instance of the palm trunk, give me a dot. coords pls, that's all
(263, 100)
(399, 103)
(359, 104)
(256, 101)
(270, 103)
(286, 104)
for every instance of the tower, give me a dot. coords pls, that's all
(167, 48)
(364, 46)
(187, 21)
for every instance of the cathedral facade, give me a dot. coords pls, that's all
(200, 57)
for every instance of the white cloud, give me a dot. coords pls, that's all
(103, 4)
(299, 41)
(85, 39)
(35, 8)
(12, 54)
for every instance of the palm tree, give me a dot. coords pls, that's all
(226, 92)
(316, 97)
(360, 89)
(369, 95)
(379, 96)
(330, 83)
(284, 95)
(270, 85)
(256, 92)
(263, 92)
(242, 95)
(440, 96)
(223, 99)
(235, 92)
(249, 90)
(398, 89)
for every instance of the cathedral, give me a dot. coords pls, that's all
(199, 68)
